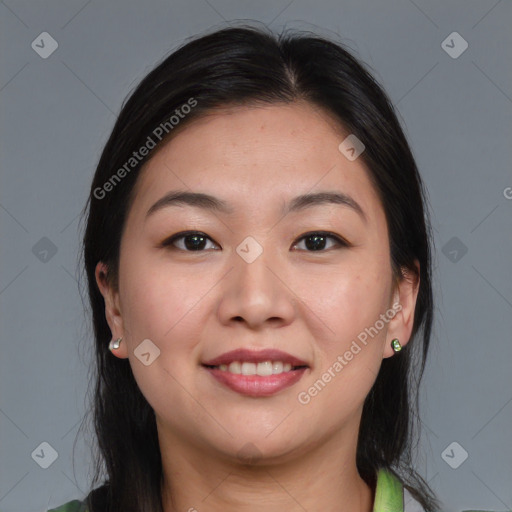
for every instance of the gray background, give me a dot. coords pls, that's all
(56, 114)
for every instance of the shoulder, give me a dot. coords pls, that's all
(71, 506)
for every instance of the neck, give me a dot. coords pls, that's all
(324, 478)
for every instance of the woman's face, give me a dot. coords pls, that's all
(256, 283)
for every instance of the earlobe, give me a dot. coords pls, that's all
(112, 309)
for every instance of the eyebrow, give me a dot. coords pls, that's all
(209, 202)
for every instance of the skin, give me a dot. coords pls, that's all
(312, 304)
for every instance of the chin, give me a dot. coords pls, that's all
(257, 450)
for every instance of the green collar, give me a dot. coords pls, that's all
(389, 494)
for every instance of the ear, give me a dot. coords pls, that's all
(405, 295)
(112, 308)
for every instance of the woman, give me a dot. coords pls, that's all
(258, 256)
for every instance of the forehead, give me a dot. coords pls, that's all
(250, 155)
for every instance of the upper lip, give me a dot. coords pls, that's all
(255, 356)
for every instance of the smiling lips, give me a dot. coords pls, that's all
(256, 373)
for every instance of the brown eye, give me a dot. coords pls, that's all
(189, 241)
(195, 241)
(319, 241)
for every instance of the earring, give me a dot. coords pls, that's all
(114, 345)
(395, 344)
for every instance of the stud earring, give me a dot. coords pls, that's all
(395, 344)
(114, 345)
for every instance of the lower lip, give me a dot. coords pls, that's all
(256, 385)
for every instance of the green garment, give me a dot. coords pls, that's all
(388, 496)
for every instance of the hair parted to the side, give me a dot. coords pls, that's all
(250, 66)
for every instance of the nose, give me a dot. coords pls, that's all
(256, 294)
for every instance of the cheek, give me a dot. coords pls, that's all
(161, 304)
(349, 300)
(349, 354)
(158, 299)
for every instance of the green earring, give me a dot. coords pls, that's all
(395, 344)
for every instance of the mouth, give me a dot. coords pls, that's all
(256, 373)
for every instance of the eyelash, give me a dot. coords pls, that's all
(326, 234)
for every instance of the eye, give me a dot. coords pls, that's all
(197, 241)
(189, 241)
(317, 241)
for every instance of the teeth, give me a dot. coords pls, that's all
(262, 369)
(277, 367)
(248, 368)
(235, 367)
